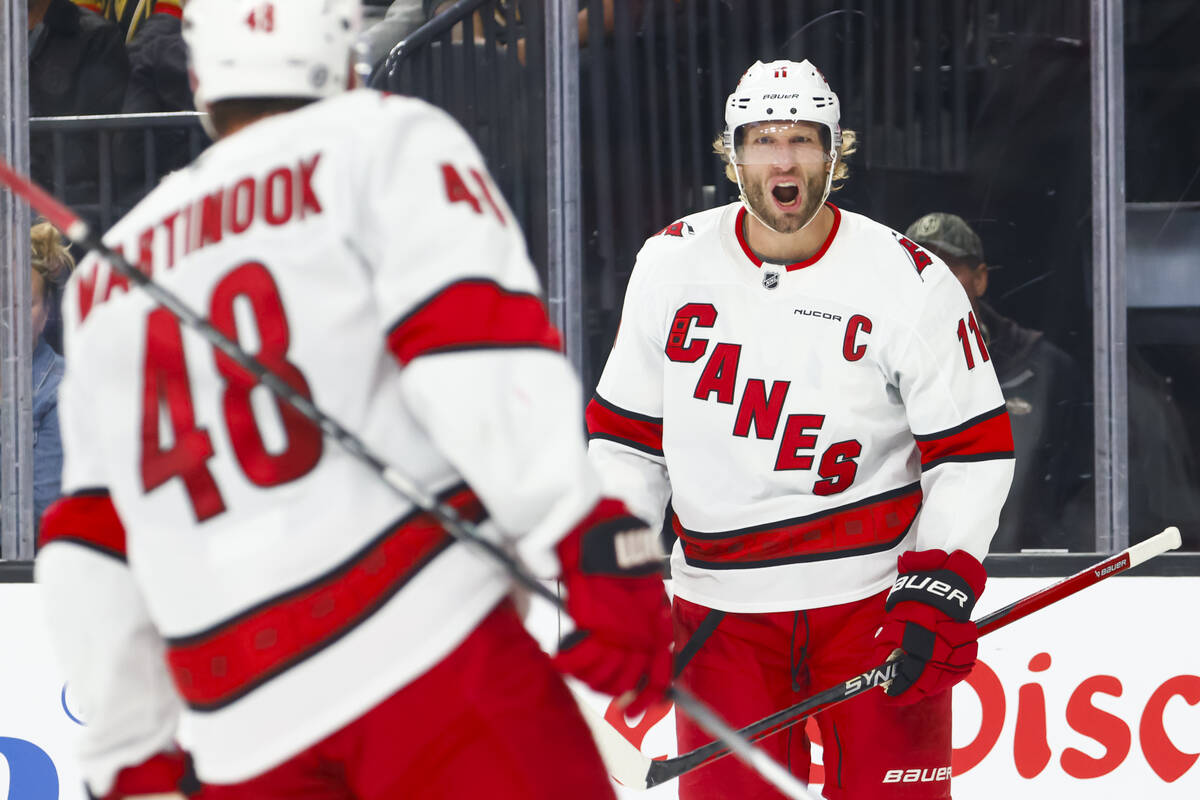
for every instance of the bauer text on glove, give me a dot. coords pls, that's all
(929, 619)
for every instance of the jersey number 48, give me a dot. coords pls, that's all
(167, 393)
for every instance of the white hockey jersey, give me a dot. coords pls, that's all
(359, 247)
(809, 422)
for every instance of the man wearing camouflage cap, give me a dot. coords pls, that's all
(1042, 391)
(948, 234)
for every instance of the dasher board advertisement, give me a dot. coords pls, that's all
(1096, 696)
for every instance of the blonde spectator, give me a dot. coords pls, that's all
(52, 264)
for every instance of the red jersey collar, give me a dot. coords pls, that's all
(738, 227)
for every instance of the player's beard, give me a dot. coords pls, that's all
(764, 206)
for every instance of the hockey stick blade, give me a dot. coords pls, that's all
(661, 771)
(624, 762)
(462, 530)
(629, 767)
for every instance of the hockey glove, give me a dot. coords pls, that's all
(165, 776)
(611, 570)
(929, 620)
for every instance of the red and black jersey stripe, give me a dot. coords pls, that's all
(472, 314)
(215, 667)
(867, 526)
(986, 437)
(87, 518)
(616, 424)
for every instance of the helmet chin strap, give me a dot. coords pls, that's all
(750, 208)
(207, 124)
(205, 120)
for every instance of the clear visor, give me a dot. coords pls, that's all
(779, 143)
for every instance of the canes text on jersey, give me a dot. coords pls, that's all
(762, 409)
(273, 198)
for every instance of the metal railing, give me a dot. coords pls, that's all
(102, 165)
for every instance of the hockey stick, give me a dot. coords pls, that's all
(463, 531)
(758, 760)
(627, 764)
(629, 767)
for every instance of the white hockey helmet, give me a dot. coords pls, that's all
(782, 91)
(270, 48)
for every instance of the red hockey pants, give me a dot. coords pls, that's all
(491, 720)
(754, 664)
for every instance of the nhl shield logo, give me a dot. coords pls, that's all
(770, 279)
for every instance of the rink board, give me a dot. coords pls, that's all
(1098, 684)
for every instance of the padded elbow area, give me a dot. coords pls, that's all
(470, 315)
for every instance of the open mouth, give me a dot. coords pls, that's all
(786, 194)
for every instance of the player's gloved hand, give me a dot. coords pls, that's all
(163, 776)
(929, 619)
(612, 573)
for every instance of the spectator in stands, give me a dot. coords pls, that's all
(158, 79)
(52, 265)
(158, 82)
(77, 66)
(77, 62)
(1044, 391)
(128, 15)
(1164, 477)
(1052, 501)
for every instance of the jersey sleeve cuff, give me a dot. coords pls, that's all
(537, 548)
(162, 773)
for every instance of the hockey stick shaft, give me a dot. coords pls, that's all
(1169, 539)
(1127, 559)
(81, 234)
(753, 757)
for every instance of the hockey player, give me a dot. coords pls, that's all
(221, 565)
(812, 392)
